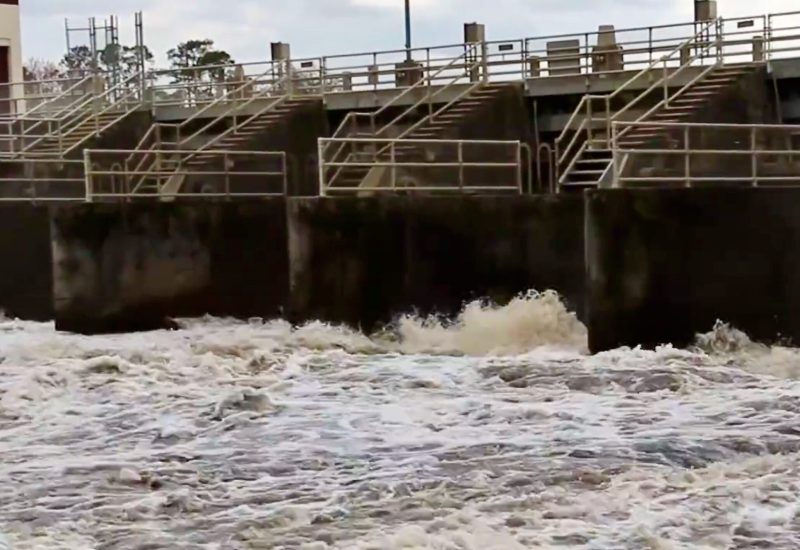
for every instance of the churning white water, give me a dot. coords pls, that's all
(495, 431)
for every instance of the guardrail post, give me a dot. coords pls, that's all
(87, 169)
(285, 170)
(666, 88)
(768, 35)
(615, 156)
(687, 163)
(158, 171)
(519, 168)
(392, 159)
(461, 166)
(484, 62)
(754, 155)
(590, 122)
(321, 167)
(428, 79)
(227, 176)
(556, 163)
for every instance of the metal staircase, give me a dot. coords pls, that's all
(56, 133)
(162, 166)
(465, 83)
(584, 154)
(436, 127)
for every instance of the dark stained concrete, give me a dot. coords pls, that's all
(364, 261)
(133, 267)
(664, 265)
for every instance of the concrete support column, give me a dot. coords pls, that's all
(281, 58)
(475, 36)
(11, 46)
(758, 48)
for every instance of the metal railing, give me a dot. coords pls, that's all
(338, 151)
(690, 154)
(118, 174)
(570, 144)
(232, 108)
(77, 122)
(42, 180)
(42, 96)
(229, 106)
(573, 54)
(560, 55)
(433, 166)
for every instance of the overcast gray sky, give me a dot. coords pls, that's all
(316, 27)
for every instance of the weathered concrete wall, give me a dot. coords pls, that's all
(131, 267)
(666, 264)
(26, 272)
(363, 261)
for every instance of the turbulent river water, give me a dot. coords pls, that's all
(496, 431)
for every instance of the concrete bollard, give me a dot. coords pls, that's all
(534, 66)
(758, 48)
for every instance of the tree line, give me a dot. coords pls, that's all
(187, 59)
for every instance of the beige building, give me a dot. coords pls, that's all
(10, 49)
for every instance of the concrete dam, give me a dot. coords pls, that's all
(647, 175)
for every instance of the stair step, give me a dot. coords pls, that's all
(587, 172)
(704, 87)
(681, 99)
(694, 93)
(729, 71)
(580, 184)
(678, 116)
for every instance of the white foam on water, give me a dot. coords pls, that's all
(527, 322)
(495, 431)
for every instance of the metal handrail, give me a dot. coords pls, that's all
(237, 106)
(587, 123)
(74, 117)
(351, 120)
(151, 155)
(465, 93)
(393, 163)
(667, 76)
(92, 171)
(31, 176)
(224, 98)
(645, 42)
(750, 149)
(57, 117)
(68, 92)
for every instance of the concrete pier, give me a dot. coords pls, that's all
(364, 261)
(664, 265)
(355, 261)
(26, 273)
(133, 267)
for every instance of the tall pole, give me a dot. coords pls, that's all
(408, 30)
